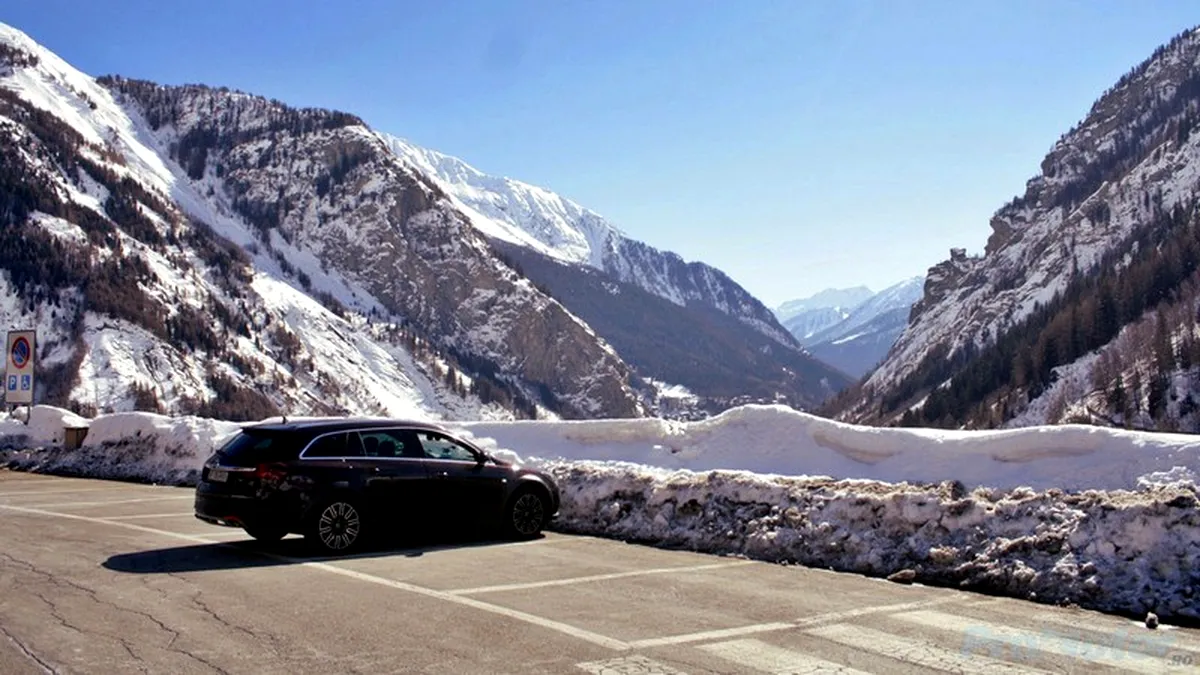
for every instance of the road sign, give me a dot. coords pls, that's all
(19, 363)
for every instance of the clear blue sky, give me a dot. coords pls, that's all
(796, 145)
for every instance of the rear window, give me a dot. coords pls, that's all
(252, 447)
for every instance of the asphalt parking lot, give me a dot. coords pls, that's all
(109, 577)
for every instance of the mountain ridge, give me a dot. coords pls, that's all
(855, 337)
(548, 223)
(993, 334)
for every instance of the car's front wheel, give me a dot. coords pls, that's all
(338, 526)
(526, 513)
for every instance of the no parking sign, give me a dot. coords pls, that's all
(18, 371)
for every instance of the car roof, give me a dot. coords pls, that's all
(341, 423)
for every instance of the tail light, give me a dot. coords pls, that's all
(270, 473)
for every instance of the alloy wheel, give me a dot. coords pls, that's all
(528, 514)
(339, 526)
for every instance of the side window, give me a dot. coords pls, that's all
(354, 444)
(331, 445)
(389, 444)
(437, 446)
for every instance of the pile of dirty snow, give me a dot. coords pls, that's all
(1114, 551)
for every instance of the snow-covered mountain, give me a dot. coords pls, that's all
(844, 298)
(189, 248)
(806, 317)
(185, 248)
(1100, 239)
(862, 339)
(553, 226)
(851, 329)
(684, 323)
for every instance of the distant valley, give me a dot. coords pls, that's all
(851, 329)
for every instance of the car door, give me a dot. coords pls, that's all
(398, 476)
(335, 464)
(467, 489)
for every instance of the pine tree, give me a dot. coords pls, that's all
(1116, 397)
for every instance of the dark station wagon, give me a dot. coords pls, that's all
(339, 481)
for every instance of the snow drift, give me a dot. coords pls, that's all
(777, 439)
(985, 511)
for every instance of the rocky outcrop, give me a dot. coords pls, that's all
(1131, 160)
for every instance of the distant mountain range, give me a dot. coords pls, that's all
(851, 329)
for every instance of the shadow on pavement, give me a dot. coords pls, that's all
(292, 551)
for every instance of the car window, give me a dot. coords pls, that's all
(330, 445)
(251, 447)
(390, 443)
(437, 446)
(354, 444)
(336, 445)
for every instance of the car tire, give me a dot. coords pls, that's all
(337, 526)
(527, 513)
(266, 533)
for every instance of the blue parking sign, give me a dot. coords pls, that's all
(26, 382)
(12, 382)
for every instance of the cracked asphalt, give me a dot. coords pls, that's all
(108, 577)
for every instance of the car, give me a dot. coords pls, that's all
(340, 481)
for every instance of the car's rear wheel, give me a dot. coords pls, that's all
(267, 533)
(338, 526)
(527, 513)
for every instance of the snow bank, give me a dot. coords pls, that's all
(777, 439)
(43, 426)
(135, 445)
(1113, 551)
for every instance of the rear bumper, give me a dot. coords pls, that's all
(227, 510)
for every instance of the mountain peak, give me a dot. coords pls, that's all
(830, 298)
(535, 218)
(514, 211)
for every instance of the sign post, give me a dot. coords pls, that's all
(19, 369)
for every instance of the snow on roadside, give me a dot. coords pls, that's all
(135, 445)
(1113, 551)
(1127, 544)
(777, 439)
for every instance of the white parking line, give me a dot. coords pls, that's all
(64, 505)
(846, 615)
(190, 514)
(710, 635)
(829, 617)
(549, 624)
(32, 493)
(767, 657)
(596, 577)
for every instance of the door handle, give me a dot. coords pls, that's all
(443, 474)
